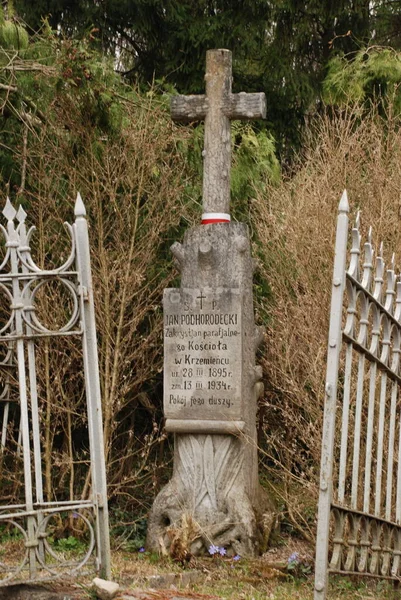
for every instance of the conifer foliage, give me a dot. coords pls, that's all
(279, 47)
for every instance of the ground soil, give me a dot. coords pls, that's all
(29, 592)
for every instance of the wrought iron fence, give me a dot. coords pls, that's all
(28, 521)
(359, 523)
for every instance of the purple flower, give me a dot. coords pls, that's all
(75, 515)
(222, 551)
(141, 549)
(236, 557)
(293, 558)
(213, 549)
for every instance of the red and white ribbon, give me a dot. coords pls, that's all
(208, 218)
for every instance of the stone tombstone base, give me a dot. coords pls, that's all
(211, 387)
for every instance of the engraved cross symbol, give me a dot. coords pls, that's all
(217, 107)
(201, 298)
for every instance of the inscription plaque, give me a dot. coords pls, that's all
(202, 355)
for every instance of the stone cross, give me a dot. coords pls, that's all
(217, 107)
(211, 380)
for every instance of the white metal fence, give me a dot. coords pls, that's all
(359, 523)
(28, 522)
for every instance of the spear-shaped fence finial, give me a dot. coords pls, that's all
(9, 211)
(79, 209)
(21, 214)
(344, 204)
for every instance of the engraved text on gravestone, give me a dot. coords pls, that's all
(202, 354)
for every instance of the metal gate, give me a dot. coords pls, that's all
(35, 529)
(359, 522)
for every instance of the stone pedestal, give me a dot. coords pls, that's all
(211, 386)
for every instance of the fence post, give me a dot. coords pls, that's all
(329, 418)
(92, 385)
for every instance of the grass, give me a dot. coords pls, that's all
(267, 577)
(244, 580)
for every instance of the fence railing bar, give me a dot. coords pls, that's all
(22, 383)
(398, 486)
(5, 424)
(357, 431)
(362, 350)
(378, 279)
(390, 291)
(25, 336)
(32, 380)
(380, 444)
(373, 300)
(345, 509)
(369, 437)
(33, 275)
(390, 451)
(5, 398)
(368, 262)
(355, 251)
(56, 503)
(19, 442)
(44, 505)
(365, 574)
(345, 423)
(32, 513)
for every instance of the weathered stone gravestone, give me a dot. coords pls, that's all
(211, 382)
